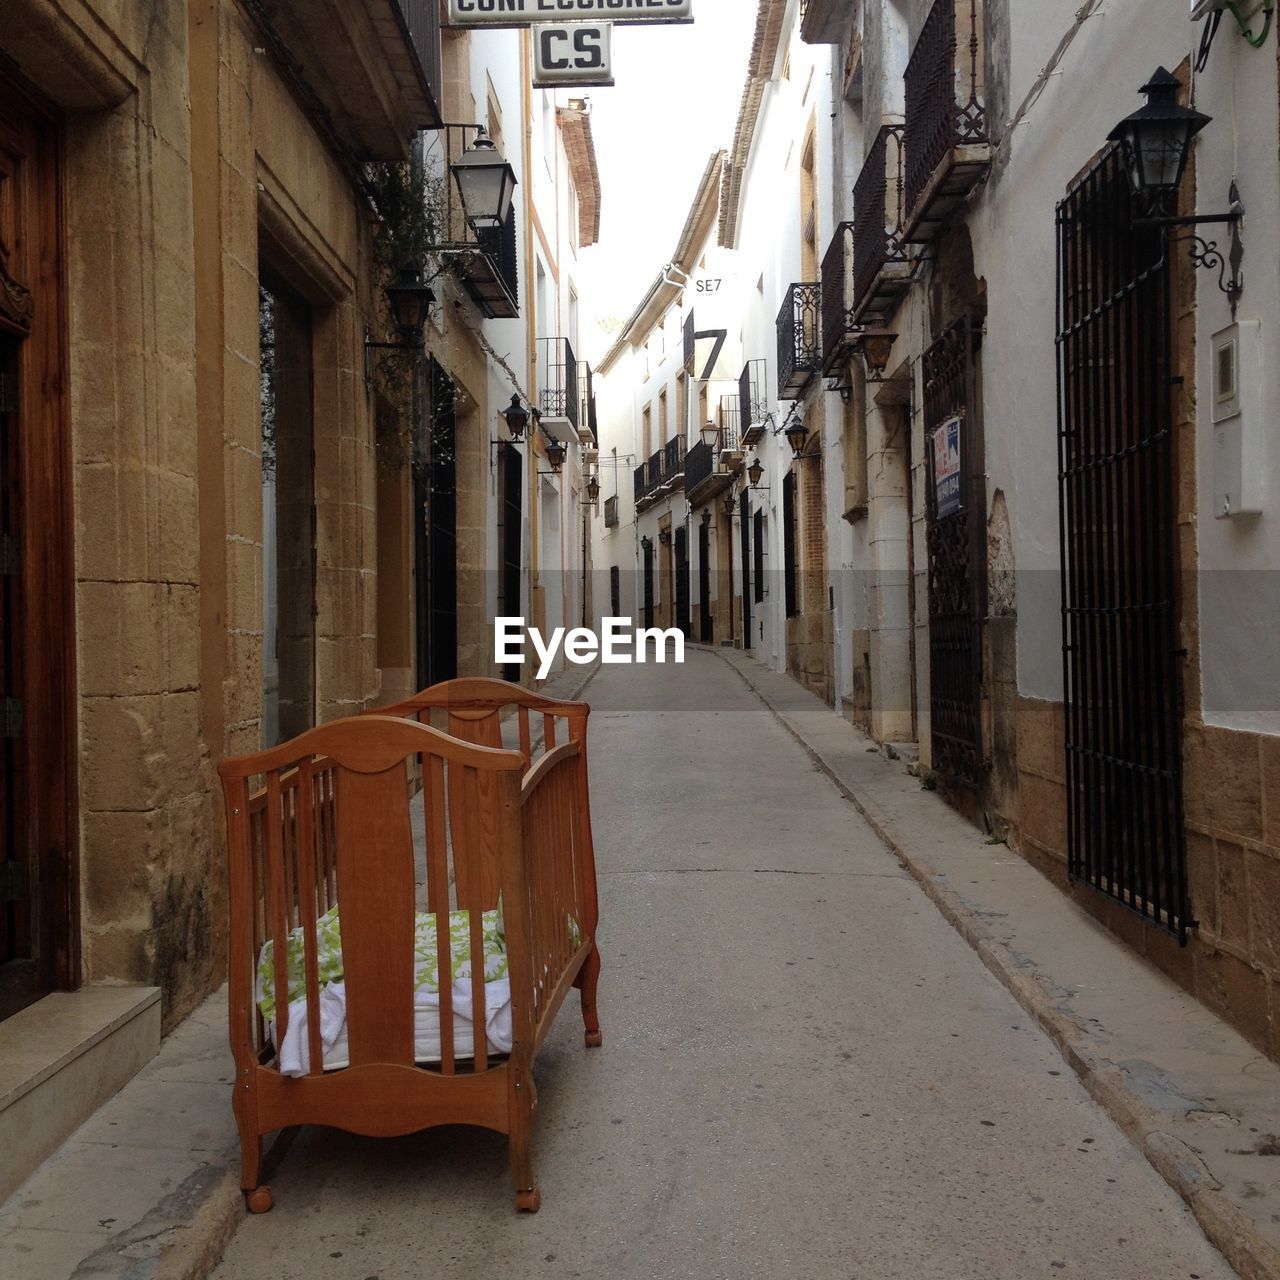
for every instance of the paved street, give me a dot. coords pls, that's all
(805, 1071)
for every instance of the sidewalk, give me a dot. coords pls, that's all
(149, 1187)
(1197, 1100)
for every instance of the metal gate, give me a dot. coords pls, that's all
(956, 536)
(683, 619)
(708, 631)
(1121, 671)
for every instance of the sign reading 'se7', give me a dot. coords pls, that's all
(524, 13)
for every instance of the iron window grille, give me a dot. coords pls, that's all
(945, 113)
(1122, 663)
(881, 259)
(799, 340)
(558, 380)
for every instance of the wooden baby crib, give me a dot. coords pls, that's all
(505, 844)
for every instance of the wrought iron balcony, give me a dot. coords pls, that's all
(799, 342)
(485, 259)
(881, 259)
(838, 322)
(588, 428)
(730, 443)
(558, 400)
(753, 402)
(661, 474)
(374, 101)
(611, 512)
(706, 475)
(946, 130)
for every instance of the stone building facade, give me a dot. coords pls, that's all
(941, 428)
(214, 534)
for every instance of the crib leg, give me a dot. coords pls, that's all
(257, 1198)
(587, 980)
(528, 1197)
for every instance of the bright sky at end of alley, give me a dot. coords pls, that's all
(675, 102)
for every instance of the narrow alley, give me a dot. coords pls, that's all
(805, 1069)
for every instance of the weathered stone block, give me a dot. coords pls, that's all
(1223, 781)
(1233, 895)
(1264, 908)
(1237, 991)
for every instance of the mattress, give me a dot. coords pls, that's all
(294, 1049)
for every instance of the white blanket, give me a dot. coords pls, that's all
(295, 1054)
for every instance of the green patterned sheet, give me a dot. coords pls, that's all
(426, 966)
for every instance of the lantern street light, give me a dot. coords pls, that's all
(797, 435)
(1156, 141)
(486, 182)
(410, 302)
(1157, 138)
(517, 417)
(710, 433)
(755, 472)
(556, 454)
(877, 347)
(593, 490)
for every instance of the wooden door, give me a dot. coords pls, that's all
(38, 899)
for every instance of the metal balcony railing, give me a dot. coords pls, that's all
(587, 408)
(753, 400)
(422, 22)
(639, 482)
(728, 416)
(653, 472)
(673, 460)
(485, 258)
(558, 381)
(611, 512)
(946, 129)
(881, 260)
(799, 343)
(838, 323)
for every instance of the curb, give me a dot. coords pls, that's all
(1232, 1232)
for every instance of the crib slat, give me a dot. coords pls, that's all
(548, 732)
(526, 738)
(305, 834)
(275, 881)
(433, 802)
(481, 837)
(479, 1039)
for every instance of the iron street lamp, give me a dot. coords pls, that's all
(706, 518)
(710, 434)
(730, 504)
(486, 182)
(755, 472)
(876, 346)
(593, 490)
(797, 436)
(1156, 141)
(517, 417)
(664, 537)
(1157, 138)
(556, 454)
(647, 543)
(410, 301)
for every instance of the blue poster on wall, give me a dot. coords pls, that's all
(948, 496)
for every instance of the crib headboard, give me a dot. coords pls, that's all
(332, 823)
(473, 710)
